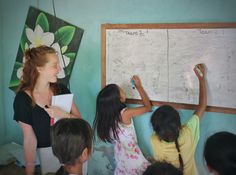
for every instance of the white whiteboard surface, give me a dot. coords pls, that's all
(164, 59)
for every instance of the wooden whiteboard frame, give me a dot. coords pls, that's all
(104, 27)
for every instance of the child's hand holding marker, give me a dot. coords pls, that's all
(133, 85)
(199, 70)
(136, 82)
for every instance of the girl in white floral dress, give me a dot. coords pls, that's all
(114, 124)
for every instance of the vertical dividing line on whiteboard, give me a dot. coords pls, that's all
(168, 78)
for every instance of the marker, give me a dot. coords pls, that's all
(199, 71)
(133, 85)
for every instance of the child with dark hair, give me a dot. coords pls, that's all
(114, 124)
(220, 153)
(162, 168)
(71, 144)
(175, 143)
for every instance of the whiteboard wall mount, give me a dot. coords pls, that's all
(164, 55)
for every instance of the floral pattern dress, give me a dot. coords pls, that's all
(128, 156)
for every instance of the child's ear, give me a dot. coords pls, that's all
(85, 155)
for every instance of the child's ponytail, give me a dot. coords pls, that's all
(180, 157)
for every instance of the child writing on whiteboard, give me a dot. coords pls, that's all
(175, 143)
(114, 124)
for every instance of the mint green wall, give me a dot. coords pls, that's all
(86, 78)
(2, 119)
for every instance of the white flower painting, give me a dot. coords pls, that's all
(48, 30)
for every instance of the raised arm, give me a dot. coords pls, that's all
(142, 93)
(29, 145)
(200, 71)
(132, 112)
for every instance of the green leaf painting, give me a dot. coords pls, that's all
(71, 55)
(43, 22)
(23, 40)
(15, 81)
(42, 28)
(64, 35)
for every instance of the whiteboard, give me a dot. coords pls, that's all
(163, 56)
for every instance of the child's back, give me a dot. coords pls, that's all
(127, 151)
(185, 144)
(175, 143)
(114, 124)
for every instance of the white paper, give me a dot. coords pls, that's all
(62, 101)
